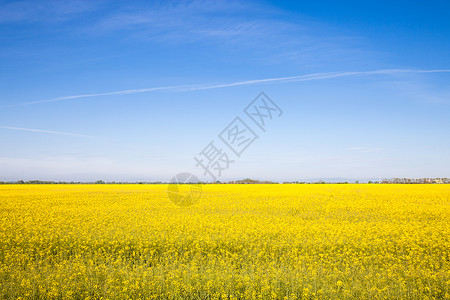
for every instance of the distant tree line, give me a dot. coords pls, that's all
(416, 181)
(248, 181)
(79, 182)
(386, 181)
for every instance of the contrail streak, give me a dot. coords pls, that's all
(45, 131)
(187, 88)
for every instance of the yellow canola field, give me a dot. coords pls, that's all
(238, 242)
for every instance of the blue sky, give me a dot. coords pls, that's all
(133, 90)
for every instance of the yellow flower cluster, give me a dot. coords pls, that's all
(238, 242)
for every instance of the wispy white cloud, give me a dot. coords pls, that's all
(254, 30)
(44, 11)
(123, 92)
(187, 88)
(45, 131)
(365, 149)
(186, 20)
(249, 30)
(423, 91)
(355, 148)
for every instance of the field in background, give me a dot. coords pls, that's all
(239, 241)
